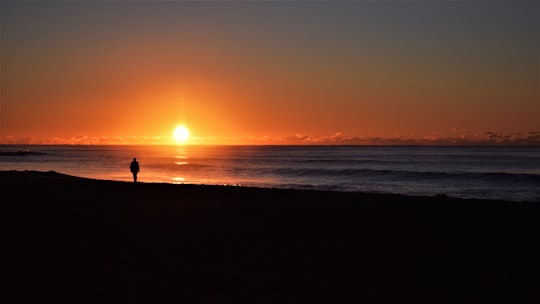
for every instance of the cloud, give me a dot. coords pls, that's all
(297, 138)
(338, 136)
(488, 137)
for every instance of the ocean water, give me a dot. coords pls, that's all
(509, 173)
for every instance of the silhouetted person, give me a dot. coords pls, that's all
(134, 167)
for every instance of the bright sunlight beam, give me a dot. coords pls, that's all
(181, 134)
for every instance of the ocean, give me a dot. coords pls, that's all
(508, 173)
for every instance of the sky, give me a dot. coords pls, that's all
(270, 72)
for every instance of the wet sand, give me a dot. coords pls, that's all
(91, 241)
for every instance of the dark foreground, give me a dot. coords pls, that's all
(88, 241)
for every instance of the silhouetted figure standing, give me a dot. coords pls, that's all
(134, 167)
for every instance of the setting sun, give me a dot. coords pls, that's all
(181, 134)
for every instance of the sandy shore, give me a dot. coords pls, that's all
(91, 241)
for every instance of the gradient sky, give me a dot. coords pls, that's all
(269, 72)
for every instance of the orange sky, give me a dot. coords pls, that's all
(267, 72)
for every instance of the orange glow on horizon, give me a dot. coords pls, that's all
(326, 73)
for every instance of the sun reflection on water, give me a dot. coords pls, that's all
(178, 180)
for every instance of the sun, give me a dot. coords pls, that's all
(181, 134)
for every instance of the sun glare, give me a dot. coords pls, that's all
(181, 134)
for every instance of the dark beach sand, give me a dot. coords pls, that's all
(68, 239)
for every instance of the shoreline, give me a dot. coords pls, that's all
(458, 172)
(85, 240)
(442, 196)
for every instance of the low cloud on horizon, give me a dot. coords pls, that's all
(483, 138)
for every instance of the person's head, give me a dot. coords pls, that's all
(134, 159)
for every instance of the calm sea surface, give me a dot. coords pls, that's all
(511, 173)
